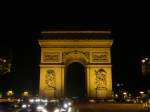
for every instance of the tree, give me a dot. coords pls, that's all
(5, 66)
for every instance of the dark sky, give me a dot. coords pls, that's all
(21, 30)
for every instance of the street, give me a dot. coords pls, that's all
(94, 107)
(110, 108)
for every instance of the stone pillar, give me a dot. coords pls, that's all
(99, 81)
(52, 81)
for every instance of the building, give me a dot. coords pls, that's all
(64, 51)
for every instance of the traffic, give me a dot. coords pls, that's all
(37, 104)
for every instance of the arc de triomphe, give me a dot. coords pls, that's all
(90, 49)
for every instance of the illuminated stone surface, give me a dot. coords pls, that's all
(57, 53)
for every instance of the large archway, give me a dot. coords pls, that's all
(75, 82)
(72, 66)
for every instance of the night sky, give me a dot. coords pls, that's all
(20, 33)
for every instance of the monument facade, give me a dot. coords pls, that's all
(90, 49)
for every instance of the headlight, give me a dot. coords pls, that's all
(18, 100)
(44, 100)
(69, 103)
(24, 106)
(29, 105)
(39, 107)
(44, 110)
(65, 105)
(37, 100)
(69, 109)
(56, 110)
(16, 106)
(31, 100)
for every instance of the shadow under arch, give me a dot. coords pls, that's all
(76, 75)
(75, 80)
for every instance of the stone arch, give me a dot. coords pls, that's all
(93, 54)
(75, 56)
(75, 71)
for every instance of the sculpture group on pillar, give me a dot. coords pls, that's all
(50, 79)
(100, 80)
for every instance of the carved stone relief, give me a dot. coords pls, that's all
(85, 53)
(99, 57)
(100, 80)
(50, 79)
(51, 56)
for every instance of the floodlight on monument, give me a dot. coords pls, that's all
(25, 93)
(10, 93)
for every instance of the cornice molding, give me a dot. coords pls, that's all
(96, 32)
(75, 43)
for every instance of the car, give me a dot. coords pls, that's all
(130, 100)
(64, 105)
(110, 101)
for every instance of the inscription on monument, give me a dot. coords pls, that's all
(51, 56)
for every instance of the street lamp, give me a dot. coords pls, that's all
(142, 96)
(143, 61)
(124, 94)
(141, 92)
(5, 66)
